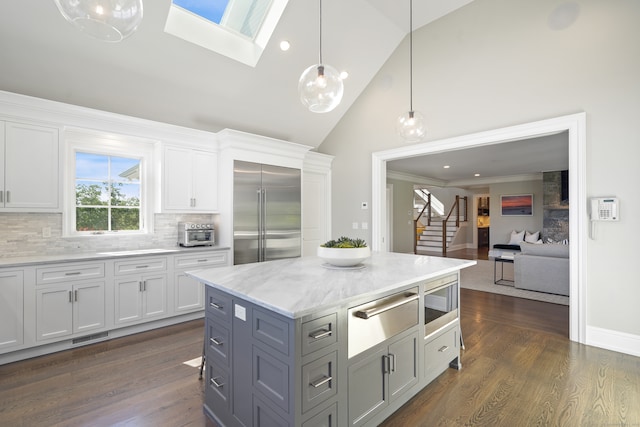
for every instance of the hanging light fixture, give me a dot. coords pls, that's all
(320, 86)
(107, 20)
(411, 125)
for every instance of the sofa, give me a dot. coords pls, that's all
(542, 268)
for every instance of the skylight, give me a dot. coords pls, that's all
(238, 29)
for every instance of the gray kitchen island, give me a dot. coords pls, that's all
(297, 342)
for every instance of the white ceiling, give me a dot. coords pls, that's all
(156, 76)
(493, 163)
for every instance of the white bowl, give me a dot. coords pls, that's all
(344, 257)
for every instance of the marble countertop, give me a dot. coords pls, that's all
(297, 287)
(90, 256)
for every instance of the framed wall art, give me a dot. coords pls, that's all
(517, 205)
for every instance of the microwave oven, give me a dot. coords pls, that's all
(195, 234)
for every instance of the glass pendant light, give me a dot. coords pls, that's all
(411, 125)
(107, 20)
(320, 86)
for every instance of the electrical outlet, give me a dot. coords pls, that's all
(364, 225)
(46, 232)
(365, 205)
(354, 225)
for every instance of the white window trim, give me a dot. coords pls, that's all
(112, 145)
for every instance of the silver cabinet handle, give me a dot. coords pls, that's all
(322, 333)
(70, 297)
(216, 306)
(73, 273)
(8, 196)
(392, 358)
(443, 348)
(317, 383)
(75, 295)
(215, 341)
(140, 286)
(374, 311)
(142, 266)
(215, 382)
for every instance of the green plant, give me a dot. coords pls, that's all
(345, 242)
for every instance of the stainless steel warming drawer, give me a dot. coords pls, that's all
(376, 321)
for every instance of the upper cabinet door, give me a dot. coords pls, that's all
(190, 181)
(31, 168)
(177, 179)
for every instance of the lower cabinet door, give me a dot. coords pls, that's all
(128, 303)
(367, 388)
(88, 307)
(403, 373)
(54, 312)
(11, 314)
(188, 294)
(154, 296)
(264, 416)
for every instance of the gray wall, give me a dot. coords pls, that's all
(502, 226)
(497, 63)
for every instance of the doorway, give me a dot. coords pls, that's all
(575, 126)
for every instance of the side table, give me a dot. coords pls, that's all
(502, 260)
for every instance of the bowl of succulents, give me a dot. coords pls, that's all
(344, 252)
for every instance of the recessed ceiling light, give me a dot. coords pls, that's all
(446, 166)
(477, 174)
(344, 75)
(284, 45)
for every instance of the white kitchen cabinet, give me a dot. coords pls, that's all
(139, 298)
(29, 168)
(190, 180)
(12, 309)
(65, 309)
(188, 293)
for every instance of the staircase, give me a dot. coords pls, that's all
(430, 240)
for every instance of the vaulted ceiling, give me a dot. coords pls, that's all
(156, 76)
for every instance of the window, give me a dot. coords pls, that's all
(107, 193)
(238, 29)
(108, 185)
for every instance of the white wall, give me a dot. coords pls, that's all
(497, 63)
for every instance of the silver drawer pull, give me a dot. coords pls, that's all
(216, 306)
(73, 273)
(216, 383)
(443, 348)
(202, 260)
(215, 341)
(142, 266)
(320, 382)
(322, 333)
(374, 311)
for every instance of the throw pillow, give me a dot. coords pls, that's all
(531, 237)
(516, 237)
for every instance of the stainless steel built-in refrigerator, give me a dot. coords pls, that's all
(266, 212)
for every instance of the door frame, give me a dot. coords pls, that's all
(575, 126)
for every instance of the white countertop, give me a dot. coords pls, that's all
(297, 287)
(90, 256)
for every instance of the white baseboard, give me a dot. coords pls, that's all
(621, 342)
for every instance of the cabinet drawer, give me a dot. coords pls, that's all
(201, 260)
(440, 351)
(218, 386)
(271, 330)
(69, 272)
(319, 333)
(326, 418)
(140, 265)
(318, 381)
(218, 305)
(218, 342)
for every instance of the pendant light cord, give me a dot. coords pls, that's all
(410, 55)
(320, 50)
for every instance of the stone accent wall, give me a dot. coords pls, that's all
(21, 235)
(556, 211)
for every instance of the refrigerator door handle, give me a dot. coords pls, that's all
(261, 223)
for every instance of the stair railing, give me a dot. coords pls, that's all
(426, 207)
(455, 206)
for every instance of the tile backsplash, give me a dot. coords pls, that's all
(21, 235)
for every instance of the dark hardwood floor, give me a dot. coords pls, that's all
(519, 369)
